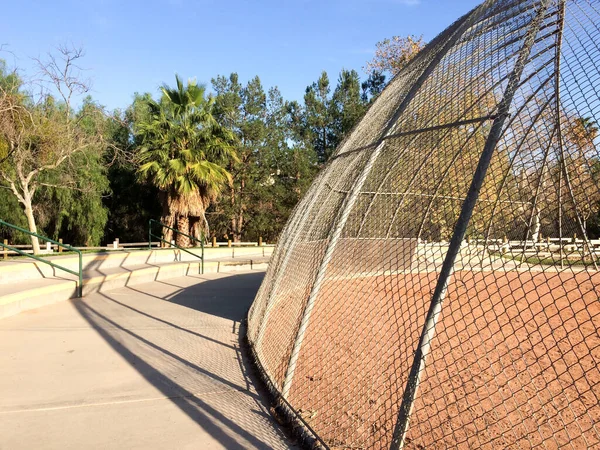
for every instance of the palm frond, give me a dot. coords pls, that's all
(185, 149)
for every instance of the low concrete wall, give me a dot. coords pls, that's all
(30, 285)
(27, 269)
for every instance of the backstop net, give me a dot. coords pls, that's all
(438, 285)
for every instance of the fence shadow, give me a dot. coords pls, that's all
(203, 374)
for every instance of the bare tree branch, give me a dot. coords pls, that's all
(39, 135)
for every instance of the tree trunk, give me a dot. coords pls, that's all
(233, 226)
(196, 230)
(206, 226)
(31, 223)
(537, 224)
(183, 225)
(199, 229)
(237, 236)
(236, 225)
(167, 234)
(168, 218)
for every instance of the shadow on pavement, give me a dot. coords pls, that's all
(208, 297)
(155, 329)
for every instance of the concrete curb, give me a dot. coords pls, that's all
(59, 289)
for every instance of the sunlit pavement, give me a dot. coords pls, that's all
(153, 366)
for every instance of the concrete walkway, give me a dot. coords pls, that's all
(154, 366)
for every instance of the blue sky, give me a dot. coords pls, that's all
(136, 45)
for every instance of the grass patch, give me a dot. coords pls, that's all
(554, 260)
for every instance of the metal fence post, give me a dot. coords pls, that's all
(5, 249)
(321, 180)
(202, 249)
(460, 228)
(339, 227)
(292, 237)
(557, 69)
(80, 275)
(350, 200)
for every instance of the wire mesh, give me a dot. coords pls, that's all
(438, 286)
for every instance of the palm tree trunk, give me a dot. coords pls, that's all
(183, 225)
(168, 220)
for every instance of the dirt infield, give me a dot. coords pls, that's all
(514, 364)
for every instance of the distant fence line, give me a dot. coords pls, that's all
(116, 245)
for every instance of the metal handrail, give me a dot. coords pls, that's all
(161, 239)
(79, 274)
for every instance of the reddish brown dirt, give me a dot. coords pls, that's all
(514, 363)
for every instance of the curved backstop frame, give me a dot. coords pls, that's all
(438, 285)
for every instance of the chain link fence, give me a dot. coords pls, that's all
(438, 286)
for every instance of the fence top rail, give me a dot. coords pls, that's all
(201, 256)
(44, 260)
(242, 244)
(78, 274)
(39, 236)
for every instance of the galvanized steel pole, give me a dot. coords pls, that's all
(460, 228)
(348, 204)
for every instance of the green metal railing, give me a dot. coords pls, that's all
(79, 274)
(172, 244)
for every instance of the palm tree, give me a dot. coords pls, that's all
(183, 152)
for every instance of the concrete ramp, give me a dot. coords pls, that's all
(152, 366)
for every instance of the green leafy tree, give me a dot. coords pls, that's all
(132, 201)
(318, 120)
(69, 202)
(347, 105)
(50, 150)
(184, 153)
(323, 121)
(285, 170)
(373, 86)
(10, 209)
(243, 108)
(273, 169)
